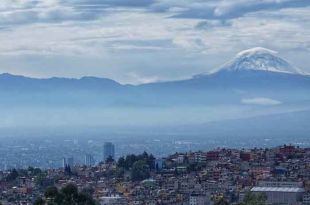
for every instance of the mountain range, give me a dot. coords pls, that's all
(257, 85)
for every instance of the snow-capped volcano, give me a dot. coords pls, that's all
(261, 59)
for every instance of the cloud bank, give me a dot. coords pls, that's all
(260, 101)
(168, 39)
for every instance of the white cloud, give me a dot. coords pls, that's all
(138, 79)
(130, 36)
(260, 101)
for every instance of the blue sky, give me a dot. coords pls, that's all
(139, 41)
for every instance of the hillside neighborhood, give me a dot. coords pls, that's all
(279, 175)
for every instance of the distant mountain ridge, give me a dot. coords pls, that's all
(254, 59)
(259, 59)
(18, 80)
(256, 82)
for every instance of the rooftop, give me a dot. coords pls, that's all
(277, 189)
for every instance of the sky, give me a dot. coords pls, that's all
(141, 41)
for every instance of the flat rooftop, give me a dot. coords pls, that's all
(277, 189)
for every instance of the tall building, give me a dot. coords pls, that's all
(159, 164)
(108, 151)
(68, 162)
(89, 160)
(64, 162)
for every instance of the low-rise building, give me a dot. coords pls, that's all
(281, 195)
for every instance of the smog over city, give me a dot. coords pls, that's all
(154, 102)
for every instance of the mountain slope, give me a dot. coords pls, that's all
(256, 82)
(260, 59)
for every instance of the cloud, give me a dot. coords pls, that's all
(209, 24)
(122, 3)
(42, 12)
(260, 101)
(169, 39)
(227, 9)
(55, 11)
(138, 79)
(37, 11)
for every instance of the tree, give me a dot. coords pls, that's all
(120, 172)
(40, 180)
(68, 195)
(68, 170)
(151, 161)
(254, 199)
(12, 175)
(221, 201)
(109, 160)
(140, 171)
(121, 162)
(39, 201)
(127, 163)
(51, 192)
(192, 167)
(85, 199)
(36, 171)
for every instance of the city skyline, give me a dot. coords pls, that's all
(154, 102)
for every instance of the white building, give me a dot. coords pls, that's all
(281, 195)
(306, 198)
(279, 184)
(112, 200)
(199, 199)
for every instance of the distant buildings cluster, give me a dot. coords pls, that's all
(280, 174)
(108, 153)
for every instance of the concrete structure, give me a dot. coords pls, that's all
(159, 164)
(199, 199)
(306, 198)
(89, 160)
(281, 195)
(68, 162)
(108, 151)
(64, 162)
(112, 200)
(280, 184)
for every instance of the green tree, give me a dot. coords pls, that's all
(12, 175)
(254, 199)
(39, 201)
(221, 201)
(85, 199)
(68, 195)
(120, 172)
(51, 192)
(40, 180)
(140, 171)
(121, 162)
(151, 161)
(109, 160)
(128, 162)
(36, 171)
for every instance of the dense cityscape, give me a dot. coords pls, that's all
(279, 175)
(48, 152)
(154, 102)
